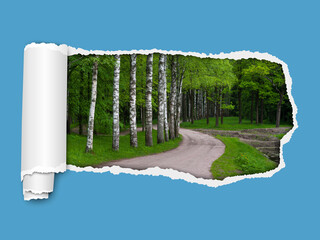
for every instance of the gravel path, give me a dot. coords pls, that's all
(195, 155)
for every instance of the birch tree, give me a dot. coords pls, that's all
(149, 70)
(116, 119)
(89, 146)
(172, 101)
(166, 127)
(160, 127)
(133, 111)
(179, 99)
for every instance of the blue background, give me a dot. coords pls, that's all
(87, 205)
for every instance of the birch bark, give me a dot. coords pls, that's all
(148, 136)
(160, 127)
(116, 118)
(172, 101)
(89, 146)
(133, 111)
(166, 127)
(179, 103)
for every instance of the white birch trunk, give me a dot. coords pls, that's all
(179, 104)
(133, 111)
(116, 118)
(89, 146)
(160, 127)
(166, 127)
(148, 136)
(172, 101)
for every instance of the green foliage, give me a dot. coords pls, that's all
(214, 77)
(239, 159)
(279, 136)
(248, 164)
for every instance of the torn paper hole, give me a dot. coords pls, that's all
(120, 101)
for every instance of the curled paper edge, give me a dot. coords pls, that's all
(44, 64)
(174, 174)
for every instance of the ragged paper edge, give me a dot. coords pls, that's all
(41, 169)
(63, 49)
(174, 174)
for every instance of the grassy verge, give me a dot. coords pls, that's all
(102, 149)
(279, 136)
(229, 123)
(239, 159)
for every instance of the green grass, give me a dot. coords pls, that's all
(239, 159)
(102, 149)
(279, 136)
(229, 123)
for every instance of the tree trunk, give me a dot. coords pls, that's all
(195, 110)
(179, 103)
(222, 112)
(149, 70)
(172, 100)
(240, 107)
(261, 111)
(160, 127)
(68, 109)
(217, 106)
(184, 107)
(69, 123)
(208, 108)
(80, 103)
(251, 113)
(166, 127)
(200, 104)
(116, 115)
(257, 107)
(188, 105)
(133, 110)
(204, 104)
(279, 110)
(196, 104)
(89, 146)
(191, 105)
(142, 115)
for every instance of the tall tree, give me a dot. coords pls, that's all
(217, 103)
(116, 118)
(166, 127)
(172, 100)
(180, 77)
(257, 107)
(160, 127)
(89, 146)
(133, 111)
(81, 97)
(149, 70)
(276, 78)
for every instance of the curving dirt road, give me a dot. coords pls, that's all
(195, 155)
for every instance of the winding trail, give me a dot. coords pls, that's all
(195, 155)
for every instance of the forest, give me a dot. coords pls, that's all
(157, 94)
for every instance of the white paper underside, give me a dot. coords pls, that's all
(43, 145)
